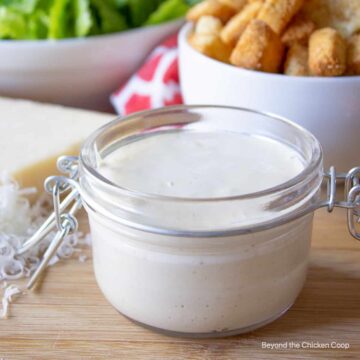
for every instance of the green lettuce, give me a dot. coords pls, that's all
(38, 25)
(82, 17)
(12, 24)
(168, 10)
(23, 6)
(141, 10)
(109, 19)
(59, 19)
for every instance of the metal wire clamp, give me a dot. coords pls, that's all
(62, 219)
(351, 201)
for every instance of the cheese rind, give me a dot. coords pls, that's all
(34, 135)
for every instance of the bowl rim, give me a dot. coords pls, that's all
(184, 44)
(86, 39)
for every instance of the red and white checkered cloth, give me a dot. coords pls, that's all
(154, 85)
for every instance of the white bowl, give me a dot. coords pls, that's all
(76, 72)
(328, 107)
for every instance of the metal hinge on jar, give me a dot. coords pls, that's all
(351, 200)
(63, 218)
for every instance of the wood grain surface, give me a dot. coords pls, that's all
(68, 318)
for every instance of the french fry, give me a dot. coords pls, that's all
(296, 63)
(353, 55)
(278, 13)
(259, 48)
(213, 8)
(298, 31)
(237, 24)
(237, 5)
(206, 39)
(327, 53)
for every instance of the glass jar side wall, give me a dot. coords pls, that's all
(206, 285)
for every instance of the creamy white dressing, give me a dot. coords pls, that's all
(191, 284)
(202, 164)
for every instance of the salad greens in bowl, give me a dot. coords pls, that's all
(77, 52)
(59, 19)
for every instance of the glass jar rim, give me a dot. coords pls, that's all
(89, 146)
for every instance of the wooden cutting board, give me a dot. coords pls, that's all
(68, 318)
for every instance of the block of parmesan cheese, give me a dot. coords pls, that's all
(33, 135)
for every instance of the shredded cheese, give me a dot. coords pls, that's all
(18, 221)
(10, 292)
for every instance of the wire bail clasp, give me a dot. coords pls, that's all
(63, 218)
(351, 200)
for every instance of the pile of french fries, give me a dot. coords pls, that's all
(278, 36)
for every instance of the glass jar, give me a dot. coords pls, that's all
(205, 266)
